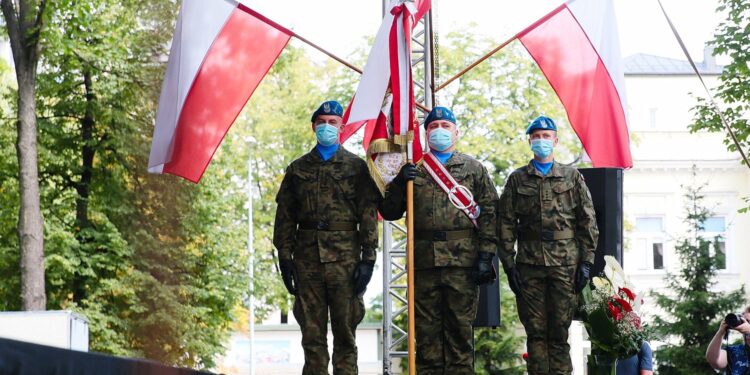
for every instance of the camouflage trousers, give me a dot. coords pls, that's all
(546, 305)
(446, 301)
(325, 287)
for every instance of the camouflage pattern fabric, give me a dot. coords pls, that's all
(553, 223)
(532, 203)
(323, 287)
(339, 190)
(445, 293)
(446, 301)
(433, 211)
(546, 305)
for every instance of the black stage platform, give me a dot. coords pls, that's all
(21, 358)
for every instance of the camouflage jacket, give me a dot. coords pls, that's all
(552, 217)
(333, 192)
(433, 211)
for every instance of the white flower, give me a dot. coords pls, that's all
(614, 273)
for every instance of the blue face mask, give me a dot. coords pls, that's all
(440, 139)
(542, 147)
(327, 135)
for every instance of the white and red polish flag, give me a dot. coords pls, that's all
(220, 52)
(577, 48)
(388, 67)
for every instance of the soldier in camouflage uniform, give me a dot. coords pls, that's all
(546, 209)
(326, 237)
(451, 256)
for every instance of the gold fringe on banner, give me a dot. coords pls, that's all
(403, 139)
(381, 146)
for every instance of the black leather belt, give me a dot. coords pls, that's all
(443, 235)
(547, 235)
(328, 225)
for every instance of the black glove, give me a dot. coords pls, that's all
(289, 275)
(362, 276)
(583, 274)
(408, 172)
(484, 270)
(514, 280)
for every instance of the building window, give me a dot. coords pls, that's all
(652, 118)
(658, 250)
(715, 230)
(649, 242)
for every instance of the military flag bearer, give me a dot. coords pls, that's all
(455, 242)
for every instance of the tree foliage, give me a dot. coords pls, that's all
(496, 101)
(732, 38)
(155, 264)
(692, 310)
(24, 21)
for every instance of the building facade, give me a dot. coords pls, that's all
(667, 158)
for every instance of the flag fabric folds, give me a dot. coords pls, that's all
(577, 48)
(384, 100)
(220, 52)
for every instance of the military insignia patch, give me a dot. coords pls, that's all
(327, 107)
(439, 113)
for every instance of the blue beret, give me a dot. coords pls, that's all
(331, 107)
(541, 122)
(439, 113)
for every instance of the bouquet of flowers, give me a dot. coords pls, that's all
(611, 313)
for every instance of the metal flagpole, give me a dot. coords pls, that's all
(398, 279)
(411, 347)
(251, 256)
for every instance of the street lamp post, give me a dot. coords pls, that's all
(251, 256)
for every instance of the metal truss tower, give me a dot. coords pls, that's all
(394, 235)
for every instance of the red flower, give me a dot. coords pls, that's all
(525, 356)
(628, 292)
(637, 321)
(614, 311)
(624, 304)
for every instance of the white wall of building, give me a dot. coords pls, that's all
(664, 153)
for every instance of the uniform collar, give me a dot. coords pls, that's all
(314, 157)
(553, 172)
(456, 159)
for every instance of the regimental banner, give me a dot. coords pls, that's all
(384, 101)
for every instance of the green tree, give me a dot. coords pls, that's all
(692, 311)
(24, 22)
(273, 130)
(157, 265)
(732, 38)
(495, 101)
